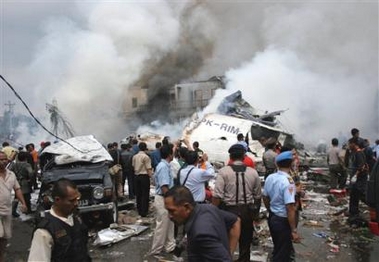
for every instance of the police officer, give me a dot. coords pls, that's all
(279, 198)
(239, 187)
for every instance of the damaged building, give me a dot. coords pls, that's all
(174, 103)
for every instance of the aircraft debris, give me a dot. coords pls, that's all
(116, 233)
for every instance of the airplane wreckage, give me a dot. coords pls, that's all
(216, 132)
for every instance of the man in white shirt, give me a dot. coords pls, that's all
(8, 182)
(376, 149)
(336, 169)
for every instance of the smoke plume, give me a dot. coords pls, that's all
(88, 63)
(317, 59)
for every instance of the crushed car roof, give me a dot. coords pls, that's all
(78, 149)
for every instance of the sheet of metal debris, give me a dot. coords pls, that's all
(117, 233)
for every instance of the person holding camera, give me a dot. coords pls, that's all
(239, 188)
(194, 177)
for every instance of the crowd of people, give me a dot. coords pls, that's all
(18, 172)
(182, 196)
(213, 223)
(353, 162)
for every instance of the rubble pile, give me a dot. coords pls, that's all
(327, 233)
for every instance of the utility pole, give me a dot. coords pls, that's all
(10, 106)
(10, 112)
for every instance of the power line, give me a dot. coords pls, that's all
(38, 122)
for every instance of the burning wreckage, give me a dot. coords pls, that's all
(216, 132)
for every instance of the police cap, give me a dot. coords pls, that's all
(287, 155)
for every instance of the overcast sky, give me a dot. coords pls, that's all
(318, 59)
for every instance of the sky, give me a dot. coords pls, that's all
(316, 59)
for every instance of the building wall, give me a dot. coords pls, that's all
(136, 100)
(187, 98)
(184, 99)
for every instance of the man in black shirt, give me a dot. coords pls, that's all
(212, 233)
(358, 181)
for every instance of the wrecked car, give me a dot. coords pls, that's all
(84, 161)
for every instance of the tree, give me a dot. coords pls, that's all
(59, 122)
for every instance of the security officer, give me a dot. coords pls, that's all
(239, 187)
(279, 198)
(61, 235)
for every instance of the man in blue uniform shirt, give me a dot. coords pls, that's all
(279, 198)
(163, 239)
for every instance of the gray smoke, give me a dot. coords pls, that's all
(88, 62)
(319, 60)
(195, 44)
